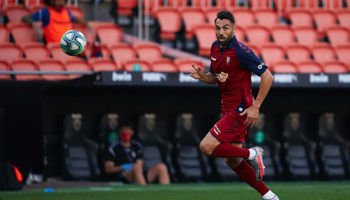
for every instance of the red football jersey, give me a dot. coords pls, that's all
(233, 68)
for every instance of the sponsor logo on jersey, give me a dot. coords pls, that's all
(261, 65)
(222, 76)
(213, 58)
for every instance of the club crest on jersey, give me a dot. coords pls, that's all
(228, 59)
(222, 76)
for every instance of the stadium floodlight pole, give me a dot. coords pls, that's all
(140, 26)
(147, 19)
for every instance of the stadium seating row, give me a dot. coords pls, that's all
(291, 155)
(51, 69)
(125, 6)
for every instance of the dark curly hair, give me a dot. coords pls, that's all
(225, 15)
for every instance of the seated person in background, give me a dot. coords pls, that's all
(123, 159)
(56, 20)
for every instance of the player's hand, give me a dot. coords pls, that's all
(196, 72)
(252, 116)
(127, 167)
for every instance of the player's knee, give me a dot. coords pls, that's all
(206, 148)
(137, 168)
(162, 167)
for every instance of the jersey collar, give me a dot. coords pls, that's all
(230, 45)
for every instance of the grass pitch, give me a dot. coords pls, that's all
(200, 191)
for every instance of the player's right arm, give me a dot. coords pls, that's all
(197, 73)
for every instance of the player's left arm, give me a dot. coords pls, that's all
(264, 88)
(253, 63)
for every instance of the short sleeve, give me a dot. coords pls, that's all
(108, 156)
(42, 16)
(249, 61)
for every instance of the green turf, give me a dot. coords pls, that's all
(200, 191)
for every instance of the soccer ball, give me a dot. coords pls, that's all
(73, 42)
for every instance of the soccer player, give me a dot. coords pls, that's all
(232, 64)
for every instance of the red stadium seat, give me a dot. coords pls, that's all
(284, 67)
(306, 36)
(153, 6)
(137, 65)
(57, 53)
(211, 15)
(309, 4)
(104, 50)
(324, 19)
(167, 29)
(10, 52)
(101, 64)
(27, 66)
(334, 67)
(309, 67)
(300, 18)
(226, 4)
(338, 36)
(343, 18)
(259, 4)
(109, 34)
(323, 53)
(36, 52)
(35, 8)
(282, 35)
(125, 7)
(122, 52)
(148, 51)
(298, 53)
(76, 11)
(206, 36)
(89, 36)
(7, 3)
(77, 65)
(343, 52)
(51, 65)
(244, 17)
(240, 34)
(22, 33)
(202, 4)
(163, 65)
(177, 4)
(266, 17)
(192, 17)
(185, 64)
(4, 34)
(4, 66)
(28, 3)
(15, 13)
(258, 35)
(332, 4)
(272, 54)
(284, 5)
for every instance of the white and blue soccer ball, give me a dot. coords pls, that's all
(73, 42)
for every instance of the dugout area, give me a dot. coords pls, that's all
(33, 116)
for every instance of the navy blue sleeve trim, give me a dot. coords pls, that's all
(249, 61)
